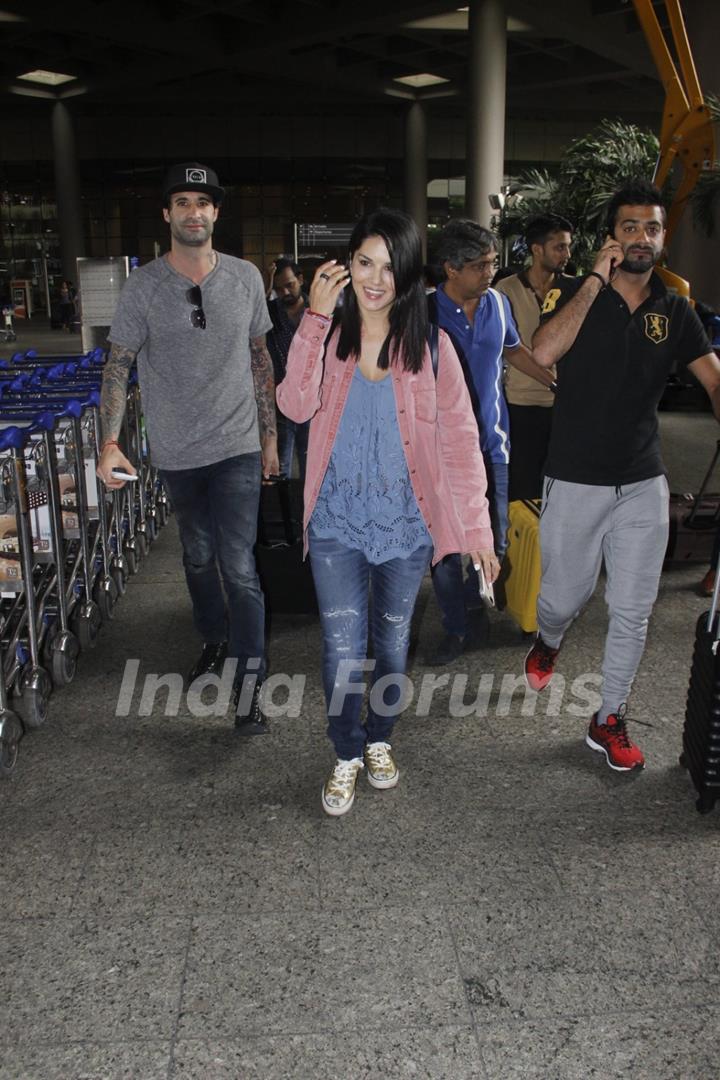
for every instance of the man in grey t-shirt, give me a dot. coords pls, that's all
(195, 320)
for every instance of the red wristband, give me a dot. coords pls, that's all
(109, 442)
(319, 315)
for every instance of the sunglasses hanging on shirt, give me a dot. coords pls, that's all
(197, 315)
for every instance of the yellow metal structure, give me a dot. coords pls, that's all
(687, 134)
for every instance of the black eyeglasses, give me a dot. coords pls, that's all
(197, 315)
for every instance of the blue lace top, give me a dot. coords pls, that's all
(366, 500)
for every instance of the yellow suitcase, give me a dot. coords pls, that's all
(521, 566)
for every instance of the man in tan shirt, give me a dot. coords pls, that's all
(548, 240)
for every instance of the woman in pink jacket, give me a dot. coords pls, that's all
(394, 479)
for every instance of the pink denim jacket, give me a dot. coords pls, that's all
(437, 426)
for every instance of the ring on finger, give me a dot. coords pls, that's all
(326, 276)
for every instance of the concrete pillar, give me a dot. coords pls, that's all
(692, 254)
(485, 157)
(67, 191)
(416, 171)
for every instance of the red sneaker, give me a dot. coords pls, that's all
(540, 664)
(612, 739)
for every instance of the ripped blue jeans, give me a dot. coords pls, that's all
(352, 594)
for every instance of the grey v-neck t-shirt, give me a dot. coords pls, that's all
(197, 387)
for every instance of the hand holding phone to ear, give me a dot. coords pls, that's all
(608, 259)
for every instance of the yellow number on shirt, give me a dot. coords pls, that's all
(551, 300)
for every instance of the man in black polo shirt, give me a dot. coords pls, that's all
(615, 335)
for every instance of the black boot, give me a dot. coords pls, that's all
(478, 629)
(252, 722)
(211, 659)
(449, 649)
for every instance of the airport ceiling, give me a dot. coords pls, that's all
(574, 59)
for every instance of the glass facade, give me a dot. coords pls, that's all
(121, 209)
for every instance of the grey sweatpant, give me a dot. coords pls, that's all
(627, 527)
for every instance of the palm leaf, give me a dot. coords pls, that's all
(593, 167)
(705, 201)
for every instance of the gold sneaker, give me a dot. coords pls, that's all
(382, 772)
(338, 793)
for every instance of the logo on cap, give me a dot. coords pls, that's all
(196, 176)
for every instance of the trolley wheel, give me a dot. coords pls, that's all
(105, 594)
(12, 733)
(163, 512)
(142, 542)
(86, 623)
(60, 657)
(33, 707)
(131, 551)
(151, 526)
(62, 668)
(63, 660)
(49, 643)
(119, 579)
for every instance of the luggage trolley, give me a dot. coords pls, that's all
(60, 646)
(22, 670)
(143, 507)
(91, 589)
(7, 330)
(11, 731)
(70, 544)
(138, 510)
(125, 536)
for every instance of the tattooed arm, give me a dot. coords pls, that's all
(112, 409)
(262, 371)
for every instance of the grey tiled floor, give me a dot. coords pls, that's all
(175, 904)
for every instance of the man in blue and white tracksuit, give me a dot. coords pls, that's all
(479, 321)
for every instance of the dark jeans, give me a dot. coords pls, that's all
(291, 437)
(344, 580)
(454, 596)
(530, 429)
(216, 508)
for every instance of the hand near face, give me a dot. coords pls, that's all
(329, 281)
(608, 258)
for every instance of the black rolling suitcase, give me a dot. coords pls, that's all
(285, 577)
(701, 733)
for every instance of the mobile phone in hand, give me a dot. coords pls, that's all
(487, 593)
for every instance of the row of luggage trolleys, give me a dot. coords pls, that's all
(67, 545)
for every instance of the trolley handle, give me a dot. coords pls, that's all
(703, 488)
(59, 407)
(43, 421)
(87, 396)
(13, 438)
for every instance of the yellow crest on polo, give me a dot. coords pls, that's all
(656, 327)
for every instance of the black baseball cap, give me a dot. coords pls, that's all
(192, 176)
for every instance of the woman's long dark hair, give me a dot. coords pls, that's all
(409, 315)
